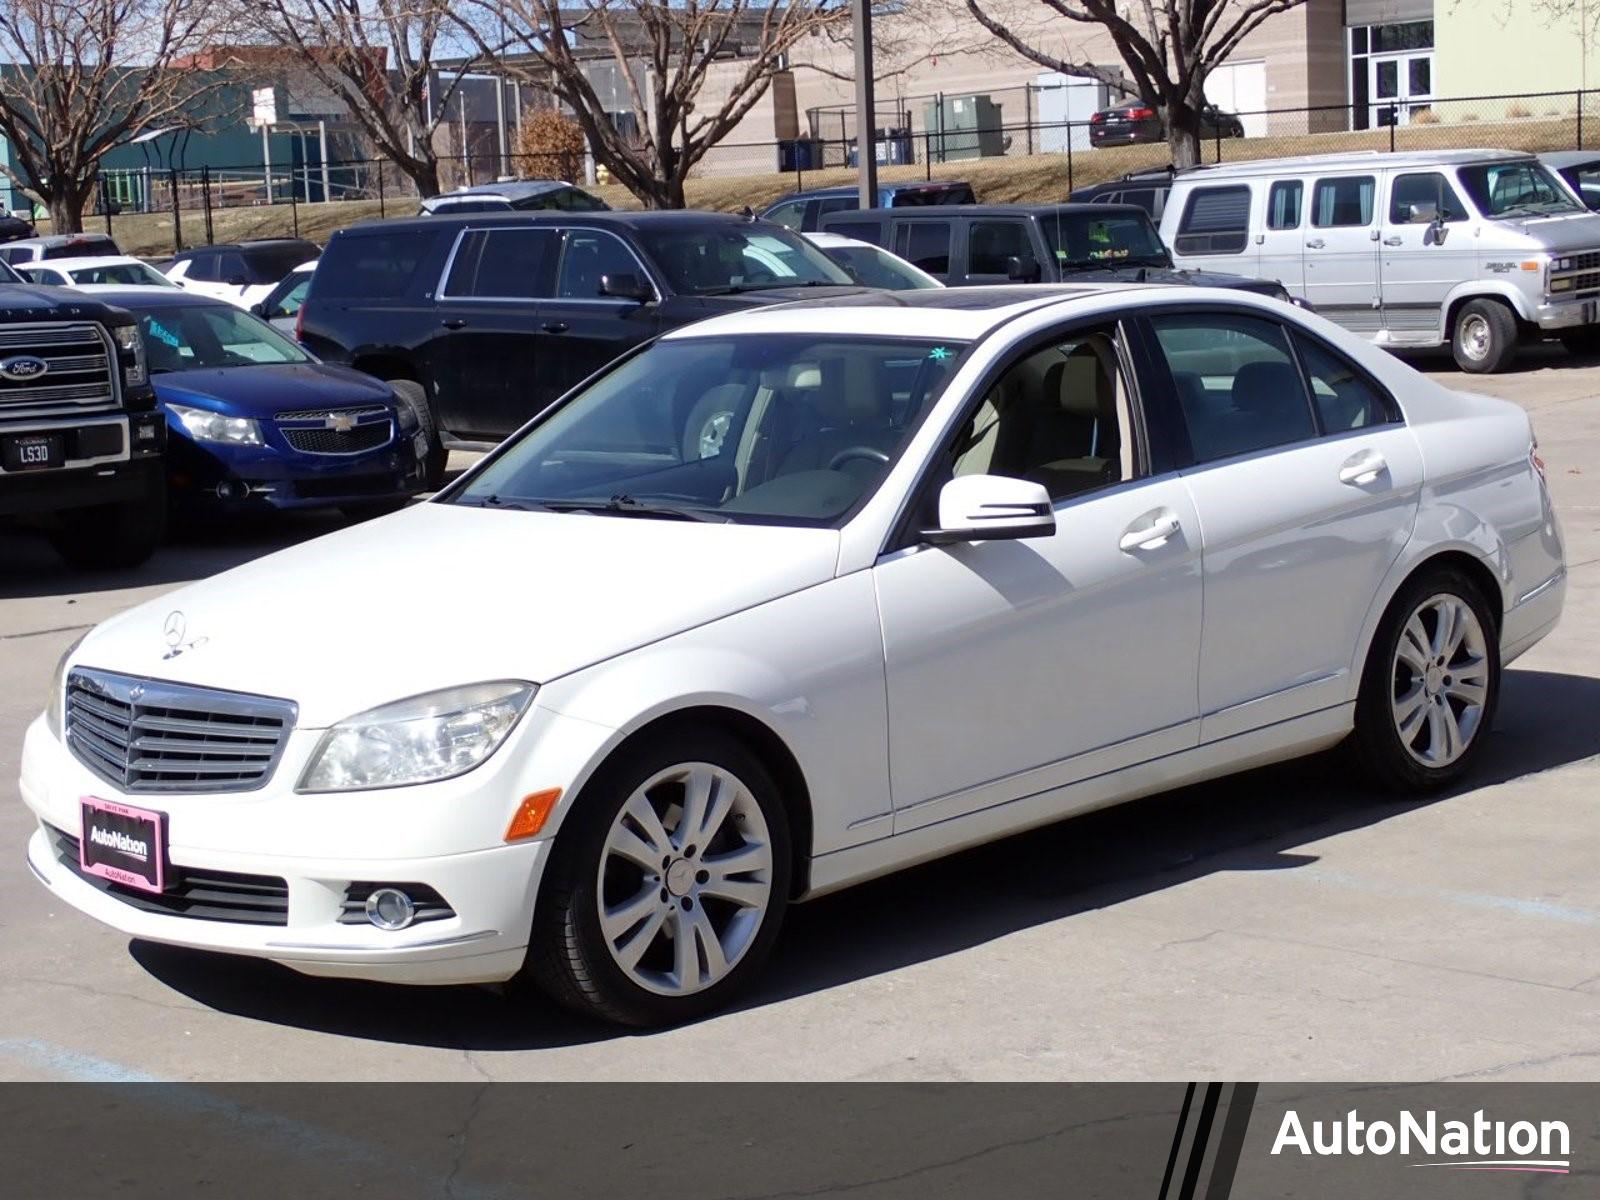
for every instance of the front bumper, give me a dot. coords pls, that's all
(1556, 314)
(269, 477)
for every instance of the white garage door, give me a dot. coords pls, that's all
(1241, 87)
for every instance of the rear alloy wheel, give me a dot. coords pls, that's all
(1485, 338)
(667, 885)
(1430, 687)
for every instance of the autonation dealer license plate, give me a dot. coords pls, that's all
(123, 844)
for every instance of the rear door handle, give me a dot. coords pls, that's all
(1362, 467)
(1316, 243)
(453, 323)
(1150, 531)
(555, 327)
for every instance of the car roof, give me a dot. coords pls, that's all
(511, 189)
(155, 296)
(1568, 158)
(59, 239)
(850, 189)
(954, 314)
(254, 244)
(87, 260)
(1352, 159)
(944, 212)
(629, 218)
(823, 237)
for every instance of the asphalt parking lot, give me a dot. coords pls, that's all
(1282, 925)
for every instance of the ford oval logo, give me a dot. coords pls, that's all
(20, 367)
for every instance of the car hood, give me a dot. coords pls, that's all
(766, 296)
(439, 595)
(1215, 279)
(34, 299)
(1561, 233)
(267, 389)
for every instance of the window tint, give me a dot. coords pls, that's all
(1343, 202)
(231, 267)
(1343, 399)
(288, 304)
(1216, 221)
(862, 231)
(737, 257)
(588, 256)
(991, 244)
(1145, 198)
(202, 268)
(371, 266)
(1283, 204)
(81, 245)
(1430, 190)
(1237, 383)
(790, 214)
(503, 264)
(838, 204)
(220, 336)
(925, 244)
(1059, 417)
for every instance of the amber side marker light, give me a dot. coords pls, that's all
(531, 814)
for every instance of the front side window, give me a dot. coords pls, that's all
(790, 214)
(136, 274)
(503, 264)
(188, 338)
(1585, 180)
(1237, 383)
(1515, 189)
(925, 245)
(202, 269)
(1283, 204)
(1060, 417)
(589, 255)
(1342, 202)
(991, 245)
(723, 259)
(1215, 221)
(1080, 241)
(790, 429)
(1413, 199)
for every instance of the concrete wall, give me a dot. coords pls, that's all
(1497, 47)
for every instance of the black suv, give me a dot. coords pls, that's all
(974, 244)
(80, 438)
(481, 321)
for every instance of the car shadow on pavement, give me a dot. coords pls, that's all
(1249, 822)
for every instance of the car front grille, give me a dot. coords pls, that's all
(1589, 260)
(194, 892)
(145, 735)
(336, 430)
(79, 374)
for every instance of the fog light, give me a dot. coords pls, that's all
(229, 489)
(390, 908)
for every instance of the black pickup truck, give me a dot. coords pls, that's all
(81, 440)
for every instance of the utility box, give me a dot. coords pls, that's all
(962, 127)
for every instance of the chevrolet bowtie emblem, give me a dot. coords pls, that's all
(340, 422)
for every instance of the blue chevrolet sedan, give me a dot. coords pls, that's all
(255, 422)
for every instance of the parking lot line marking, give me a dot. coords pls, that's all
(1537, 909)
(72, 1065)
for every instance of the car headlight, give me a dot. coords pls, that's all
(205, 426)
(421, 740)
(56, 702)
(134, 374)
(405, 414)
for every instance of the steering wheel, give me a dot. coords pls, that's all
(849, 453)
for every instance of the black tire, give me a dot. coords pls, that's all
(414, 394)
(1484, 340)
(113, 536)
(1377, 740)
(1583, 341)
(567, 954)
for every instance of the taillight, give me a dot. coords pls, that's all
(1141, 114)
(1534, 460)
(1098, 119)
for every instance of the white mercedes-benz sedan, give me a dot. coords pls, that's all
(786, 600)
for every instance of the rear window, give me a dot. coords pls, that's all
(862, 231)
(82, 247)
(956, 193)
(269, 264)
(1215, 221)
(371, 266)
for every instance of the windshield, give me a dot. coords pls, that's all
(1097, 240)
(872, 267)
(738, 258)
(190, 338)
(137, 274)
(791, 429)
(7, 275)
(1516, 189)
(268, 264)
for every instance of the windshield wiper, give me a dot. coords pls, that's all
(498, 501)
(734, 289)
(624, 505)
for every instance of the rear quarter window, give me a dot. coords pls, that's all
(372, 266)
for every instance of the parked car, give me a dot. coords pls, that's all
(256, 423)
(1135, 123)
(242, 273)
(804, 211)
(281, 306)
(121, 270)
(520, 195)
(13, 226)
(871, 266)
(1580, 169)
(27, 250)
(81, 441)
(482, 321)
(1144, 189)
(1475, 249)
(1032, 243)
(960, 540)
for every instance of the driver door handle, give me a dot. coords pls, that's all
(1150, 531)
(555, 327)
(1396, 240)
(1316, 243)
(1362, 467)
(453, 323)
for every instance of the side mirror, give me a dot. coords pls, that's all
(626, 286)
(259, 308)
(1023, 269)
(238, 281)
(981, 508)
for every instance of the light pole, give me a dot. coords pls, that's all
(866, 104)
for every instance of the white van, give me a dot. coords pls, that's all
(1477, 248)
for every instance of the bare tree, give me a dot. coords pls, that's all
(394, 64)
(78, 78)
(649, 60)
(1167, 48)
